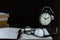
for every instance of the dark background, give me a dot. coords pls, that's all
(27, 12)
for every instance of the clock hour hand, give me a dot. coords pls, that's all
(44, 18)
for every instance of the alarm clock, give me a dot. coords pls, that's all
(46, 17)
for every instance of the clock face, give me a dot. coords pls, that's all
(45, 19)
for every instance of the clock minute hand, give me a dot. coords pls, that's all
(44, 18)
(47, 17)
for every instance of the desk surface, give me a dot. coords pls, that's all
(24, 36)
(8, 33)
(11, 33)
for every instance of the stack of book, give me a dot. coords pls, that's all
(3, 19)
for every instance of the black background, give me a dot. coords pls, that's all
(27, 12)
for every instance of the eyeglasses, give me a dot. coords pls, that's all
(38, 32)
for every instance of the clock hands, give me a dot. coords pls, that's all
(46, 18)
